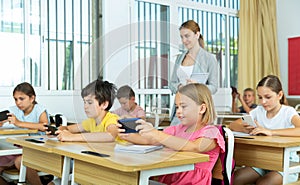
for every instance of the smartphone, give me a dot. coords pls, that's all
(34, 140)
(129, 124)
(95, 153)
(3, 115)
(234, 90)
(51, 129)
(248, 119)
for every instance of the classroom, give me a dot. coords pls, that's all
(61, 47)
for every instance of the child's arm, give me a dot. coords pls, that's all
(43, 120)
(75, 128)
(69, 135)
(234, 108)
(245, 106)
(152, 136)
(281, 132)
(137, 139)
(239, 126)
(181, 144)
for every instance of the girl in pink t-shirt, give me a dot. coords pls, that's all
(195, 110)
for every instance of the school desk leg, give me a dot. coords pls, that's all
(146, 174)
(72, 175)
(66, 171)
(287, 169)
(22, 174)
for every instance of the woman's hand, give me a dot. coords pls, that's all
(189, 81)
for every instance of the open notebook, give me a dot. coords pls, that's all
(140, 149)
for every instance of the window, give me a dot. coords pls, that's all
(157, 48)
(46, 42)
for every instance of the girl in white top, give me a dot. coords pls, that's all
(273, 118)
(25, 114)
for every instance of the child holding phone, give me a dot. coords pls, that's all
(196, 112)
(27, 113)
(98, 98)
(273, 118)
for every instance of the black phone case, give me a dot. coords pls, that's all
(34, 140)
(129, 124)
(3, 115)
(52, 129)
(95, 153)
(234, 89)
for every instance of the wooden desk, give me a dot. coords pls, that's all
(268, 152)
(226, 118)
(130, 168)
(40, 156)
(125, 168)
(8, 148)
(13, 131)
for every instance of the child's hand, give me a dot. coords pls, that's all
(144, 126)
(12, 119)
(146, 129)
(248, 128)
(43, 127)
(259, 130)
(235, 95)
(120, 129)
(63, 135)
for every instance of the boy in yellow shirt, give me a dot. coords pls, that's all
(98, 97)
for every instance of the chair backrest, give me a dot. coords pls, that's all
(230, 164)
(226, 158)
(58, 119)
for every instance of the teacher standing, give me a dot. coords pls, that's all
(194, 60)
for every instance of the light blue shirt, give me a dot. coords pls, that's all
(33, 117)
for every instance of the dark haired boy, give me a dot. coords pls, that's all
(98, 97)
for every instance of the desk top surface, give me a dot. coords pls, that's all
(229, 115)
(122, 161)
(10, 131)
(272, 141)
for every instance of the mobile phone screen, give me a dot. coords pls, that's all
(129, 124)
(248, 119)
(3, 115)
(95, 153)
(51, 129)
